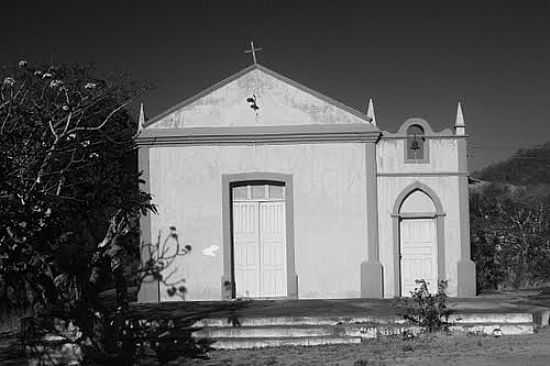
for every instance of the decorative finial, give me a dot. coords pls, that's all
(141, 120)
(460, 127)
(253, 50)
(370, 112)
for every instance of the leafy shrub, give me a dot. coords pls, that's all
(427, 310)
(104, 335)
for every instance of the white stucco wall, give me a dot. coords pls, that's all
(329, 210)
(280, 102)
(390, 157)
(443, 159)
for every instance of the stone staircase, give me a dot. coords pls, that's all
(273, 331)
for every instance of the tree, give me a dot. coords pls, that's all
(71, 203)
(510, 236)
(68, 189)
(489, 271)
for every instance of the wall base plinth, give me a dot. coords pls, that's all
(227, 288)
(466, 278)
(293, 286)
(149, 291)
(371, 280)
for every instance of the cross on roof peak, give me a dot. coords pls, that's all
(253, 50)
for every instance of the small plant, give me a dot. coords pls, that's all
(427, 310)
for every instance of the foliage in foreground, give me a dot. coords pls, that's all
(428, 311)
(71, 203)
(69, 190)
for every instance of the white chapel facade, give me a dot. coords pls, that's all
(283, 192)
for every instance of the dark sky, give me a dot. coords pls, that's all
(414, 58)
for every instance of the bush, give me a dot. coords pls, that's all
(427, 310)
(71, 202)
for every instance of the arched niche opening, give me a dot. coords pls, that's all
(418, 236)
(416, 145)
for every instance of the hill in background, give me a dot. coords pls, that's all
(527, 167)
(510, 221)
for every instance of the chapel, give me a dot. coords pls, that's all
(283, 192)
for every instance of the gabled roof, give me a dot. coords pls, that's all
(330, 101)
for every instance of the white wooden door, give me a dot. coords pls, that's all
(259, 242)
(418, 254)
(272, 249)
(246, 248)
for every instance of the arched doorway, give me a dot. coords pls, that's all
(418, 222)
(418, 242)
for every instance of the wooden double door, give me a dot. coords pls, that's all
(259, 240)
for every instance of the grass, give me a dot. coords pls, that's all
(428, 350)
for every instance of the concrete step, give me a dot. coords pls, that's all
(388, 319)
(494, 328)
(258, 342)
(257, 332)
(365, 330)
(361, 330)
(542, 317)
(299, 320)
(368, 331)
(278, 331)
(491, 318)
(262, 342)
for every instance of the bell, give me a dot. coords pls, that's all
(415, 145)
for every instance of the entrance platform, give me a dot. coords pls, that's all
(263, 323)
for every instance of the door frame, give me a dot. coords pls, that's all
(230, 180)
(439, 218)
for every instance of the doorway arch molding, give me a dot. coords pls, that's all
(438, 215)
(228, 181)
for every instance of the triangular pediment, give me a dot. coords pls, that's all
(279, 100)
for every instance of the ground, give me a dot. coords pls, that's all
(430, 350)
(525, 350)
